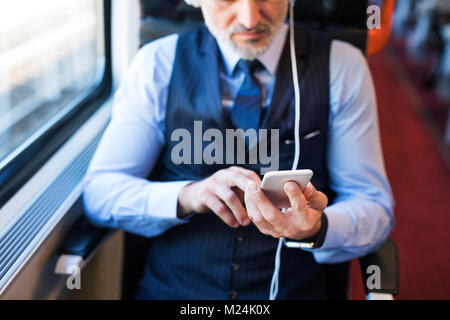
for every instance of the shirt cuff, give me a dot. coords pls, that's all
(339, 226)
(163, 201)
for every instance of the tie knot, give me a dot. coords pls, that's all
(250, 66)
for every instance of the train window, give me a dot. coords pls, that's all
(50, 52)
(53, 57)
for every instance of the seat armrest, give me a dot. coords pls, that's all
(386, 258)
(79, 245)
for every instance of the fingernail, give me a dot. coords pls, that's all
(246, 222)
(290, 186)
(252, 186)
(309, 190)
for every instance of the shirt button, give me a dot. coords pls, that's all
(233, 295)
(235, 266)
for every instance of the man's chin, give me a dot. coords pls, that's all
(255, 44)
(245, 49)
(249, 51)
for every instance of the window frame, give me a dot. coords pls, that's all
(27, 162)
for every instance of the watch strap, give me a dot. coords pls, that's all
(314, 242)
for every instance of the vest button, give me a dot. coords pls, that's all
(240, 238)
(235, 266)
(233, 295)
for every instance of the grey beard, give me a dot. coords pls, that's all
(248, 53)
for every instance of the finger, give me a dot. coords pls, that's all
(296, 196)
(235, 178)
(318, 200)
(221, 210)
(270, 213)
(256, 216)
(233, 202)
(249, 173)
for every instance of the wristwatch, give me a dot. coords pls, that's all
(314, 242)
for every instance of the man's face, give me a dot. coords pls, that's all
(248, 26)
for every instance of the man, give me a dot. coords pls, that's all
(214, 233)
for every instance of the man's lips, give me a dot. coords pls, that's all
(250, 35)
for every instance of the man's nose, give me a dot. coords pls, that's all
(249, 15)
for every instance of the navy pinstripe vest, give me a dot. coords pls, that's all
(206, 259)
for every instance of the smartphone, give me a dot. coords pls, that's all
(273, 184)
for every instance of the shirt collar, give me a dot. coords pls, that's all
(269, 59)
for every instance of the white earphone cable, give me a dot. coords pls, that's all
(275, 277)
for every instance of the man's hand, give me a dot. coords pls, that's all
(222, 193)
(301, 221)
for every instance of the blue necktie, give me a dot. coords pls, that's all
(246, 111)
